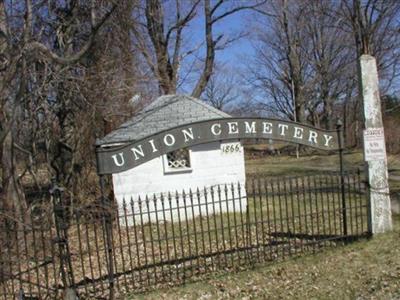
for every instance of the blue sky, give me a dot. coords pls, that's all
(231, 25)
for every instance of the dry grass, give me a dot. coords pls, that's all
(286, 165)
(308, 165)
(363, 270)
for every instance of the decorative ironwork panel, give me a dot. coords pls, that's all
(179, 159)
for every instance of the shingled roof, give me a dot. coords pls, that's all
(164, 113)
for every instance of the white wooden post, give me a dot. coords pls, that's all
(374, 148)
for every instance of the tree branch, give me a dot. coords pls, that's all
(232, 11)
(41, 48)
(210, 55)
(182, 22)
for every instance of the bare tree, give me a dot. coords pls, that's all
(161, 40)
(280, 68)
(26, 54)
(373, 25)
(307, 52)
(330, 62)
(222, 88)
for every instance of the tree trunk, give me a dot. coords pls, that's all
(210, 56)
(155, 26)
(328, 115)
(12, 196)
(300, 104)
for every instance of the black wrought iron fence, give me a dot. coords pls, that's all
(168, 239)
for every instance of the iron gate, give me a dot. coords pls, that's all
(100, 249)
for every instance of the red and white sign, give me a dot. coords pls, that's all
(374, 144)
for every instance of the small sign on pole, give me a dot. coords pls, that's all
(374, 144)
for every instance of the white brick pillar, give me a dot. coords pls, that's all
(380, 219)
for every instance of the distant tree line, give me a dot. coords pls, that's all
(306, 64)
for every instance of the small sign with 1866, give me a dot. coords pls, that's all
(374, 144)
